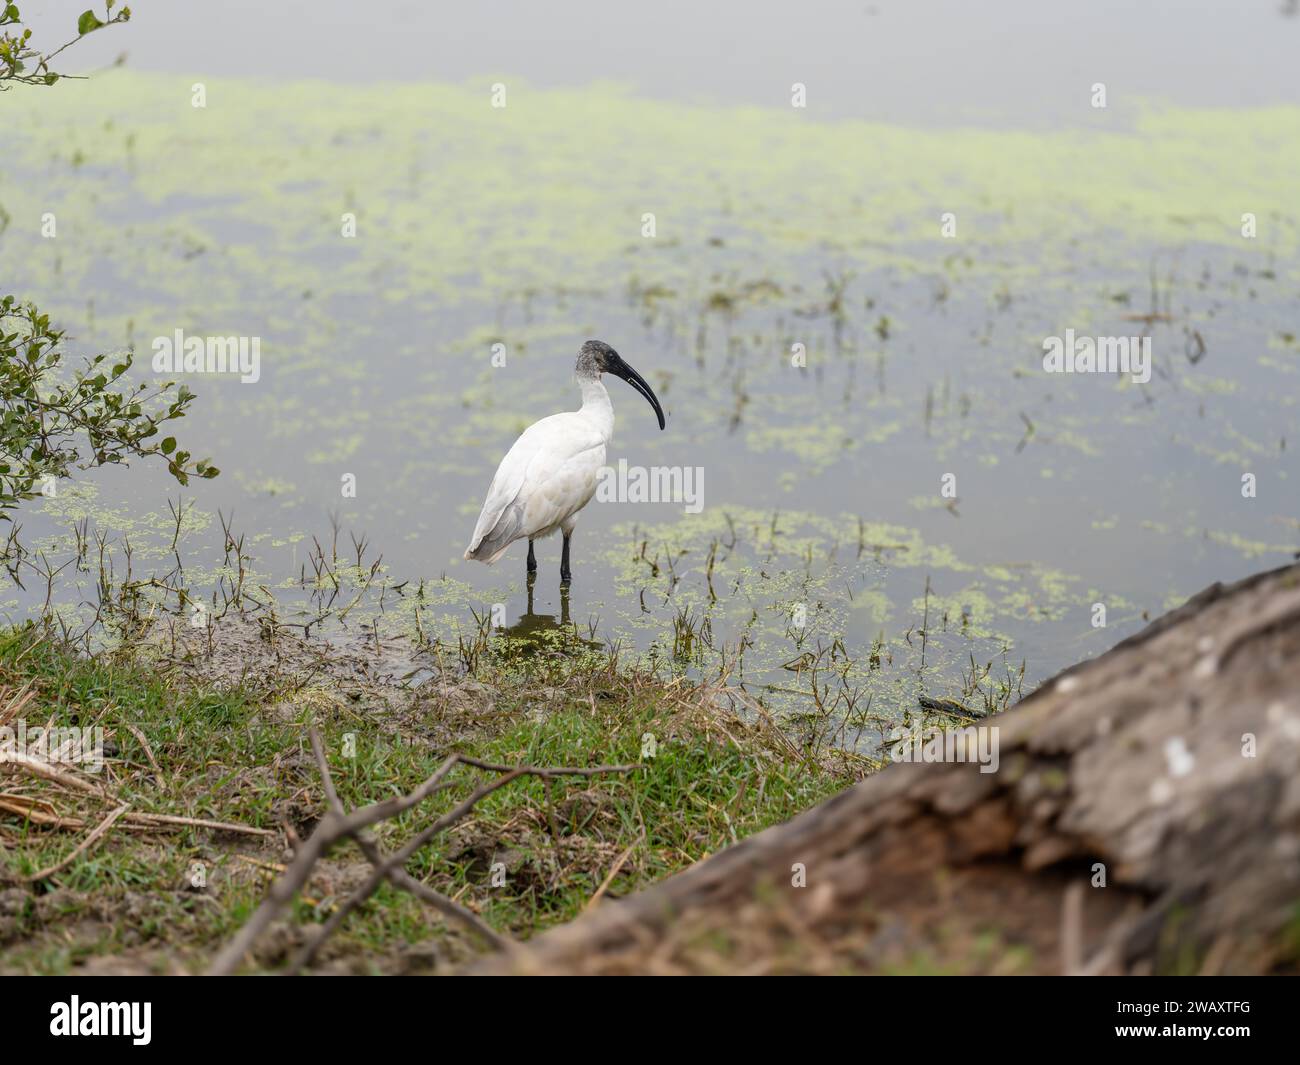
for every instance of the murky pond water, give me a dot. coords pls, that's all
(826, 556)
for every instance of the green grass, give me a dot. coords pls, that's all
(240, 755)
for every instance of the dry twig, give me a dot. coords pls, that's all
(337, 825)
(100, 831)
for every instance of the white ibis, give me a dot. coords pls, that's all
(551, 471)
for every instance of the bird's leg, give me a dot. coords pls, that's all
(532, 579)
(532, 559)
(564, 603)
(565, 575)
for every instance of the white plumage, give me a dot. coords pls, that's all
(544, 480)
(552, 470)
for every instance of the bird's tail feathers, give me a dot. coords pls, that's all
(492, 544)
(486, 552)
(491, 547)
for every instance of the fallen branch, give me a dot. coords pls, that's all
(197, 822)
(613, 872)
(37, 811)
(148, 752)
(1140, 818)
(100, 831)
(337, 825)
(38, 767)
(15, 702)
(396, 876)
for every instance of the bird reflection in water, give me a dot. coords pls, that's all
(536, 632)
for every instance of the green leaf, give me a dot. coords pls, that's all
(169, 445)
(87, 23)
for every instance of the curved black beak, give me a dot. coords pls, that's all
(619, 368)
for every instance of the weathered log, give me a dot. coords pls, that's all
(1169, 764)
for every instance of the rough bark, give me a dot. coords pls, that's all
(1139, 761)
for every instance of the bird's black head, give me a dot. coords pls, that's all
(595, 357)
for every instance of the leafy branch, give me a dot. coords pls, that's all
(44, 421)
(23, 64)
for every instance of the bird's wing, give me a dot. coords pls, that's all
(533, 482)
(563, 488)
